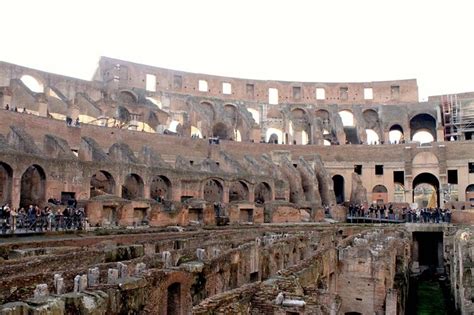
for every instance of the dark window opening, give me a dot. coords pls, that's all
(343, 93)
(378, 169)
(250, 90)
(297, 92)
(399, 177)
(254, 276)
(471, 167)
(452, 176)
(184, 198)
(177, 82)
(358, 169)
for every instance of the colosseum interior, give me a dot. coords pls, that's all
(218, 195)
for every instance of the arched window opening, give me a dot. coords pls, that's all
(347, 118)
(372, 137)
(102, 183)
(395, 135)
(238, 191)
(263, 193)
(213, 191)
(160, 188)
(132, 187)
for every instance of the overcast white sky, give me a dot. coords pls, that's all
(331, 40)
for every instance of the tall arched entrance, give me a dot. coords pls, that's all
(426, 190)
(132, 188)
(33, 186)
(470, 193)
(213, 191)
(338, 182)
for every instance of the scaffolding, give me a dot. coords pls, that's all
(458, 118)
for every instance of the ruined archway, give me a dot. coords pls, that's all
(347, 118)
(423, 122)
(33, 186)
(338, 182)
(426, 190)
(6, 181)
(160, 188)
(262, 193)
(220, 130)
(102, 183)
(213, 191)
(132, 187)
(238, 191)
(395, 134)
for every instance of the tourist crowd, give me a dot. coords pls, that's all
(36, 219)
(418, 215)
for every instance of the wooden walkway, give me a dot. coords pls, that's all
(372, 220)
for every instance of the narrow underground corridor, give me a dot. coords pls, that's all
(429, 290)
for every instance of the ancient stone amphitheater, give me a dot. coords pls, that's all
(217, 195)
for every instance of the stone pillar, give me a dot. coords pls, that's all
(93, 275)
(43, 106)
(391, 302)
(440, 256)
(225, 193)
(41, 291)
(112, 276)
(16, 189)
(146, 191)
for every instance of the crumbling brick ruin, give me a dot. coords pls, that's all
(216, 195)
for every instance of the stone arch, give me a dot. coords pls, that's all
(33, 186)
(262, 192)
(213, 190)
(371, 119)
(123, 114)
(324, 115)
(102, 183)
(32, 83)
(220, 130)
(208, 109)
(299, 128)
(338, 182)
(160, 188)
(380, 194)
(231, 112)
(470, 193)
(274, 135)
(128, 97)
(255, 115)
(238, 191)
(372, 136)
(6, 183)
(347, 118)
(426, 178)
(395, 134)
(132, 187)
(423, 122)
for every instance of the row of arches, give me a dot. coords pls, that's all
(422, 127)
(33, 187)
(426, 186)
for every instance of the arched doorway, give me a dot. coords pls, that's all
(426, 190)
(238, 191)
(263, 193)
(470, 193)
(132, 188)
(6, 179)
(33, 186)
(338, 182)
(160, 188)
(380, 194)
(213, 191)
(423, 125)
(102, 183)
